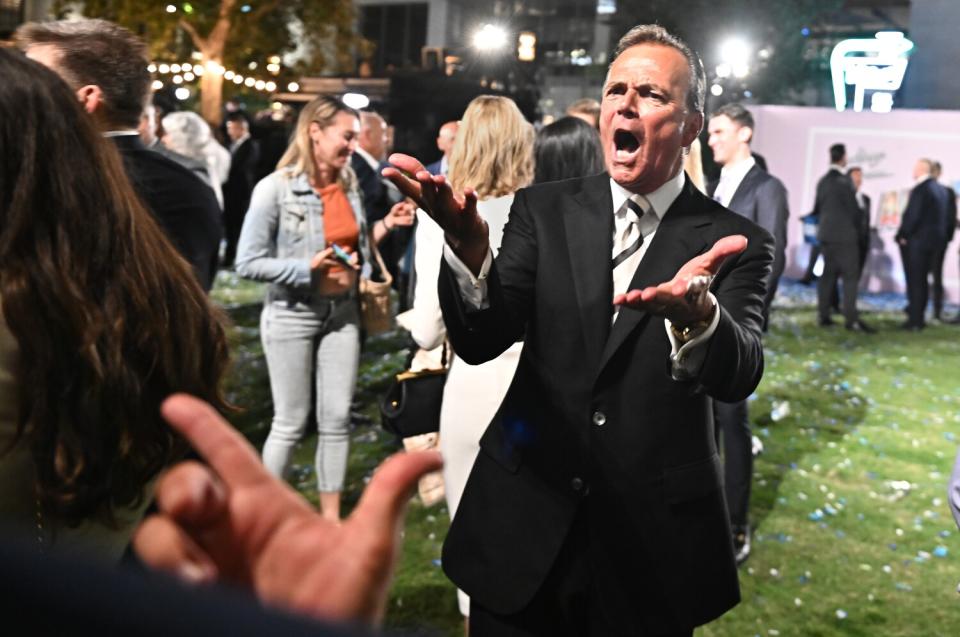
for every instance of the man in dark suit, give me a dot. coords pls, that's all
(751, 191)
(950, 226)
(445, 139)
(921, 234)
(107, 67)
(379, 196)
(595, 504)
(244, 163)
(863, 202)
(839, 235)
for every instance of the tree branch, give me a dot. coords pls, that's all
(198, 40)
(262, 10)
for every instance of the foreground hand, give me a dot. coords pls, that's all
(683, 300)
(465, 230)
(234, 522)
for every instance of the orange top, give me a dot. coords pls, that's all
(339, 221)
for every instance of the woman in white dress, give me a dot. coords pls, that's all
(493, 155)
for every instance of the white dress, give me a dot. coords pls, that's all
(473, 393)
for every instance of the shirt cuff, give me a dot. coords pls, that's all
(473, 289)
(686, 359)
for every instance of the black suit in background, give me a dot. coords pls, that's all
(839, 235)
(922, 234)
(761, 198)
(598, 482)
(863, 243)
(378, 198)
(950, 226)
(186, 208)
(244, 168)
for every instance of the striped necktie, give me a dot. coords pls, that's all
(630, 238)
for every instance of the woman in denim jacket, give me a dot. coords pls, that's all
(300, 218)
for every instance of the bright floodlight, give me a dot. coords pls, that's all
(490, 38)
(735, 52)
(716, 90)
(356, 100)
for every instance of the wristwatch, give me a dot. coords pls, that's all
(689, 332)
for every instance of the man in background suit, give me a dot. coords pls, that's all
(922, 234)
(244, 162)
(107, 67)
(751, 191)
(839, 235)
(863, 202)
(379, 195)
(445, 139)
(595, 504)
(950, 226)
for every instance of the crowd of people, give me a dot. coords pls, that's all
(599, 304)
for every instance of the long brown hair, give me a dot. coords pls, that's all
(107, 316)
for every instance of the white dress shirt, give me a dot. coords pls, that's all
(686, 358)
(731, 176)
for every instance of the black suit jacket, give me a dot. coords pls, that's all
(186, 208)
(376, 199)
(593, 422)
(244, 167)
(762, 198)
(925, 220)
(837, 208)
(865, 221)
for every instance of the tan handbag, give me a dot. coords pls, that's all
(375, 315)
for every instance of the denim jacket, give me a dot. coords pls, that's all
(282, 231)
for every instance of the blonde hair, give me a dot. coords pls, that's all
(298, 157)
(493, 152)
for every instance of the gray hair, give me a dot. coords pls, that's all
(656, 34)
(187, 134)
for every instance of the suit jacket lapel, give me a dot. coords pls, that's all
(679, 237)
(589, 228)
(746, 187)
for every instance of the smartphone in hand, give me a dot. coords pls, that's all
(340, 254)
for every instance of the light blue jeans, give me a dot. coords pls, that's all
(311, 347)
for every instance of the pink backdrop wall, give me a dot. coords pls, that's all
(795, 141)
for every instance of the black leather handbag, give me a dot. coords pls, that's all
(412, 404)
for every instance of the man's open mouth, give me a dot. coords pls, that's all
(625, 142)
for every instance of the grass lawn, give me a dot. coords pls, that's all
(853, 535)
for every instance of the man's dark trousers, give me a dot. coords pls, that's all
(841, 260)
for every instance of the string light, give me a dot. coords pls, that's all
(186, 72)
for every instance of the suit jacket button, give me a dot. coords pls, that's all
(599, 419)
(576, 484)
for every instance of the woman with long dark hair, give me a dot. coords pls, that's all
(567, 148)
(306, 235)
(101, 320)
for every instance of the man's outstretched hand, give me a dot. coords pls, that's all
(683, 300)
(465, 230)
(233, 522)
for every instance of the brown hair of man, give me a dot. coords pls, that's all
(736, 113)
(656, 34)
(99, 53)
